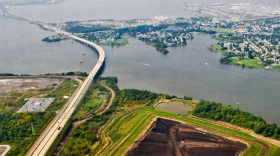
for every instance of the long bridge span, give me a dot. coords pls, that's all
(46, 139)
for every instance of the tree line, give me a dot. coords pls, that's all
(218, 112)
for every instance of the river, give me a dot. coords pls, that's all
(191, 70)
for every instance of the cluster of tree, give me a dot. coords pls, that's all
(230, 37)
(142, 29)
(277, 30)
(84, 136)
(170, 97)
(203, 31)
(10, 74)
(160, 46)
(200, 18)
(76, 73)
(187, 97)
(83, 29)
(111, 82)
(134, 96)
(182, 24)
(218, 112)
(15, 128)
(223, 46)
(7, 74)
(227, 60)
(47, 39)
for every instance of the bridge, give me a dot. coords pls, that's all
(46, 139)
(4, 10)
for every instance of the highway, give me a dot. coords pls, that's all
(43, 143)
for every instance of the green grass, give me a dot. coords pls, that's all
(66, 88)
(217, 48)
(88, 107)
(141, 118)
(131, 128)
(274, 150)
(253, 150)
(82, 78)
(253, 63)
(222, 30)
(120, 42)
(277, 67)
(93, 103)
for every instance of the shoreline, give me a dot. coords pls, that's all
(241, 62)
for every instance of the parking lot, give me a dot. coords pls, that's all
(36, 105)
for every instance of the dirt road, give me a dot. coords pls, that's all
(76, 124)
(111, 100)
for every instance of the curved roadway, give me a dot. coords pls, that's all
(43, 143)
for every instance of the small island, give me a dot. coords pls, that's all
(56, 38)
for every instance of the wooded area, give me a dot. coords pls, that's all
(218, 112)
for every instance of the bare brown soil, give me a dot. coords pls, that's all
(168, 137)
(25, 84)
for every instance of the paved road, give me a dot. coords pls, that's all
(46, 139)
(76, 124)
(48, 136)
(6, 150)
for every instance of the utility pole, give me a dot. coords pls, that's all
(33, 132)
(57, 99)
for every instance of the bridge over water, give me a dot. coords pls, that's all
(46, 139)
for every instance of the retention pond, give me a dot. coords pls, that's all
(174, 107)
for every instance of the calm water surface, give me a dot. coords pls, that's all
(191, 70)
(102, 96)
(174, 107)
(23, 52)
(73, 10)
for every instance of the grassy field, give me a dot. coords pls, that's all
(120, 42)
(222, 30)
(253, 150)
(253, 63)
(64, 89)
(91, 105)
(217, 48)
(125, 130)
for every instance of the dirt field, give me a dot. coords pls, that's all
(167, 137)
(7, 85)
